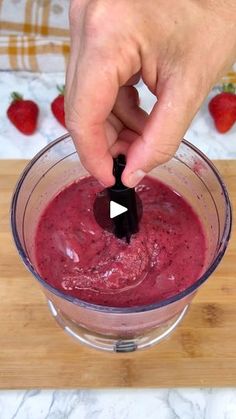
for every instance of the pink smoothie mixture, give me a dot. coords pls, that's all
(75, 255)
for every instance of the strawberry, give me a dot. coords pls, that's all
(57, 106)
(23, 114)
(223, 108)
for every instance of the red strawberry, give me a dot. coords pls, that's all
(223, 108)
(57, 106)
(23, 114)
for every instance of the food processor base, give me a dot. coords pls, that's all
(110, 343)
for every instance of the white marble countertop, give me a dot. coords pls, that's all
(105, 404)
(119, 404)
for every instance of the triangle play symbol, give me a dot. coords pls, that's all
(116, 209)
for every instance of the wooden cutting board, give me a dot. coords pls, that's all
(35, 352)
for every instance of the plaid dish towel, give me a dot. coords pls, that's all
(34, 35)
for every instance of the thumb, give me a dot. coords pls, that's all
(163, 132)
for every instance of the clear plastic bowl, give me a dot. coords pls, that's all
(191, 174)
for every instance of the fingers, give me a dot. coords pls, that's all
(92, 85)
(133, 119)
(128, 111)
(91, 99)
(121, 146)
(113, 126)
(134, 79)
(163, 131)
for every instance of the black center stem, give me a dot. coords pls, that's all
(125, 224)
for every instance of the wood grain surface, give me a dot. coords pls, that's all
(36, 353)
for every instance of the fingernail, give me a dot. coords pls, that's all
(107, 184)
(134, 178)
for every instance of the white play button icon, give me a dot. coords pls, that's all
(109, 212)
(116, 209)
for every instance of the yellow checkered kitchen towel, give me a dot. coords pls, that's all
(34, 35)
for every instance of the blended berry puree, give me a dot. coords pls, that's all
(75, 255)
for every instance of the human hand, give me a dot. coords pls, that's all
(179, 48)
